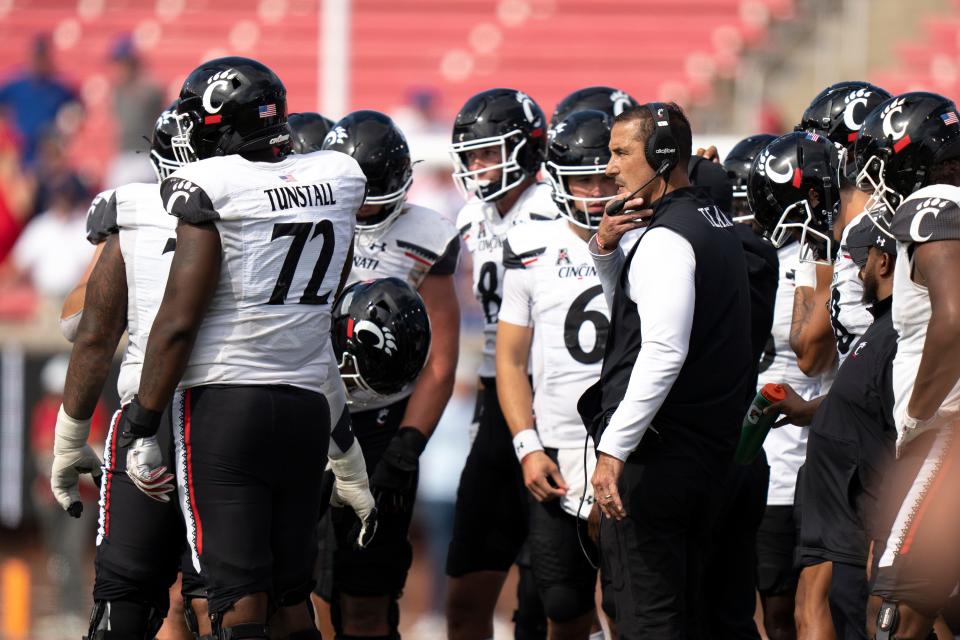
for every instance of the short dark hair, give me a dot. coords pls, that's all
(679, 127)
(946, 172)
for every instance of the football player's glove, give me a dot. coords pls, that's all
(138, 431)
(393, 478)
(71, 457)
(352, 489)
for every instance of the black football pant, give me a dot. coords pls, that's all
(252, 457)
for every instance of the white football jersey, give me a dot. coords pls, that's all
(848, 313)
(483, 229)
(929, 214)
(413, 245)
(786, 447)
(418, 242)
(551, 284)
(285, 230)
(148, 238)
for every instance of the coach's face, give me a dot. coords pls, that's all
(628, 164)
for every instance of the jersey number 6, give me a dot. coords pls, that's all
(301, 232)
(576, 316)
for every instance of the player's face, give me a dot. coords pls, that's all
(592, 186)
(478, 159)
(868, 274)
(369, 211)
(628, 165)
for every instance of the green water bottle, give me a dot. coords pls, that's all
(756, 424)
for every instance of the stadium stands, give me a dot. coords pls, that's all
(463, 47)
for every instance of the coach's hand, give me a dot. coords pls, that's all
(71, 457)
(542, 477)
(613, 227)
(145, 467)
(605, 491)
(394, 477)
(352, 489)
(710, 153)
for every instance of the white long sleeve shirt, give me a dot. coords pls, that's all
(661, 283)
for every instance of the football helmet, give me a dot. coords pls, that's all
(899, 143)
(381, 150)
(794, 186)
(307, 131)
(578, 146)
(606, 99)
(230, 105)
(162, 158)
(838, 111)
(503, 119)
(737, 165)
(381, 337)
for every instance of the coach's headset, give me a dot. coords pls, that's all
(661, 151)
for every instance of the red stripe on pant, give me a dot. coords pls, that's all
(193, 495)
(114, 430)
(948, 456)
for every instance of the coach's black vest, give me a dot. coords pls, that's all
(705, 406)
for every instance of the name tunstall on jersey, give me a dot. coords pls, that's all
(285, 230)
(551, 285)
(418, 242)
(482, 230)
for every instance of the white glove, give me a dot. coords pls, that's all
(805, 275)
(352, 489)
(145, 467)
(71, 457)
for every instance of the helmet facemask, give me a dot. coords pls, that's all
(393, 205)
(359, 391)
(182, 141)
(557, 175)
(163, 167)
(511, 173)
(883, 200)
(815, 245)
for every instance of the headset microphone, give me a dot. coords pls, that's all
(617, 207)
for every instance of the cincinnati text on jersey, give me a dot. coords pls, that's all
(579, 271)
(308, 195)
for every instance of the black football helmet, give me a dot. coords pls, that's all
(307, 131)
(381, 337)
(381, 150)
(838, 111)
(162, 158)
(737, 165)
(508, 120)
(795, 186)
(606, 99)
(230, 105)
(578, 146)
(900, 142)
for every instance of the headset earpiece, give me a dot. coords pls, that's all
(661, 148)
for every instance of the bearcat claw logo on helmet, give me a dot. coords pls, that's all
(181, 191)
(895, 107)
(375, 336)
(219, 81)
(853, 101)
(528, 108)
(337, 135)
(620, 101)
(764, 168)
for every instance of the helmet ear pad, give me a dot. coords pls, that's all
(661, 147)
